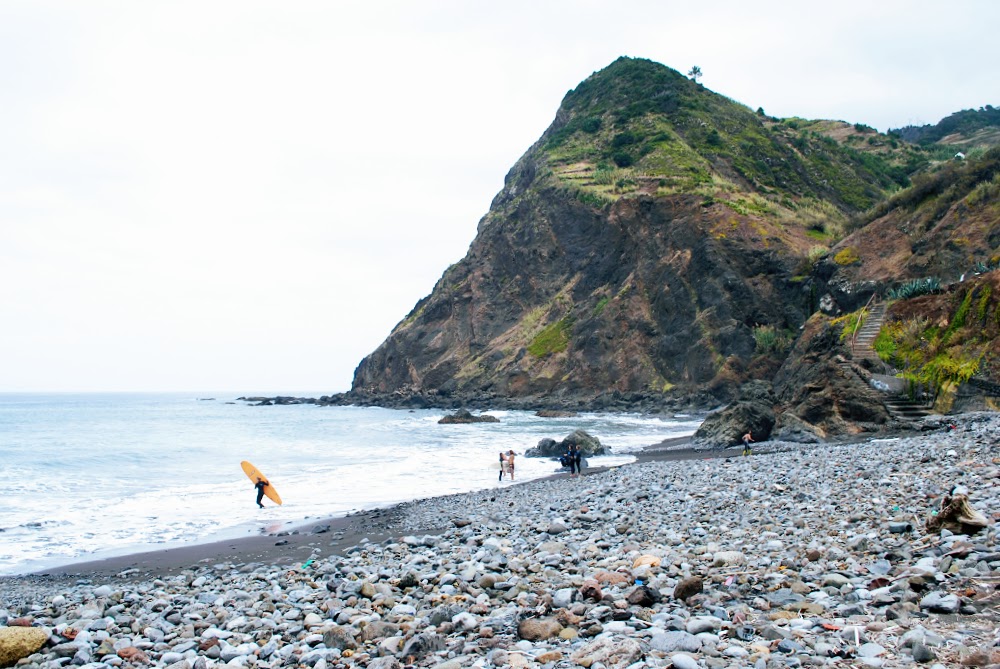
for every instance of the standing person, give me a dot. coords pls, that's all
(747, 438)
(577, 459)
(572, 461)
(260, 485)
(503, 463)
(510, 463)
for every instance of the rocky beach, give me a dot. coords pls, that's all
(801, 555)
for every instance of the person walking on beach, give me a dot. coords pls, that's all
(510, 464)
(747, 438)
(260, 485)
(503, 464)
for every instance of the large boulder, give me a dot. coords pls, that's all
(585, 443)
(790, 427)
(752, 412)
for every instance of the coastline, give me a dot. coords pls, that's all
(799, 555)
(299, 540)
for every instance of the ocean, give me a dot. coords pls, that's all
(87, 476)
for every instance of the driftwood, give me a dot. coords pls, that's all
(956, 515)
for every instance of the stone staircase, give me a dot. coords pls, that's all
(898, 401)
(864, 338)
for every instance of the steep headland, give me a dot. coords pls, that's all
(661, 244)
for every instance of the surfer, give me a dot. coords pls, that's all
(260, 485)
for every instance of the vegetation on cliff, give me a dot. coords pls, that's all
(943, 339)
(640, 127)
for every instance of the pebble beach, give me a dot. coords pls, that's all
(800, 555)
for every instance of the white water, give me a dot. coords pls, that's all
(93, 475)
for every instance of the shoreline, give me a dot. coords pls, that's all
(300, 540)
(801, 555)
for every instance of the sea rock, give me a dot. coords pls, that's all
(587, 444)
(463, 416)
(20, 642)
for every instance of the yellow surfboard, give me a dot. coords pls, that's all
(255, 475)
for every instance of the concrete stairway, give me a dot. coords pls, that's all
(898, 402)
(861, 346)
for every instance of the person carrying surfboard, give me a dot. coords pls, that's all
(263, 484)
(260, 485)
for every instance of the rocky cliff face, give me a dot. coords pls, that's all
(556, 297)
(660, 242)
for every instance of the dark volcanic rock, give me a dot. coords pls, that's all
(753, 412)
(820, 387)
(555, 413)
(585, 443)
(463, 416)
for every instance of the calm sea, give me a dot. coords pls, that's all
(89, 475)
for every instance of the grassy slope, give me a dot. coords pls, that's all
(640, 127)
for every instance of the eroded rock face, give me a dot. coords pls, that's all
(819, 390)
(752, 412)
(557, 298)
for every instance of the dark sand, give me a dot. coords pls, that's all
(294, 546)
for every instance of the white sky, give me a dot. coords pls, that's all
(247, 196)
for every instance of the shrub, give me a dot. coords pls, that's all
(624, 139)
(623, 159)
(769, 339)
(851, 322)
(847, 256)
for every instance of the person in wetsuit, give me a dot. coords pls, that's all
(573, 460)
(260, 485)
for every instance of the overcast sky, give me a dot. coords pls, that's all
(247, 196)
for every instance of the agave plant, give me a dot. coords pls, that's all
(915, 288)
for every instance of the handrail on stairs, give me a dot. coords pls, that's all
(854, 337)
